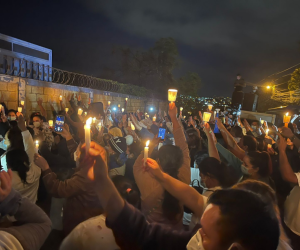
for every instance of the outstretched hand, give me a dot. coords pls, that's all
(172, 110)
(281, 143)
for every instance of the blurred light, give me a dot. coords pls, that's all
(151, 108)
(114, 108)
(268, 87)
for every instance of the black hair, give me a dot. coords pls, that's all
(15, 138)
(262, 161)
(211, 167)
(237, 131)
(251, 142)
(12, 110)
(245, 218)
(261, 144)
(17, 159)
(170, 159)
(127, 189)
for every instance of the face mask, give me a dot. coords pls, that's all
(244, 169)
(36, 124)
(11, 118)
(237, 139)
(196, 243)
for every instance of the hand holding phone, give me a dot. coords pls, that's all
(59, 123)
(161, 133)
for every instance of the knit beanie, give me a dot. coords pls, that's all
(118, 144)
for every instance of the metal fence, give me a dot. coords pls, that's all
(27, 69)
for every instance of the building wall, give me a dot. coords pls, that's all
(14, 89)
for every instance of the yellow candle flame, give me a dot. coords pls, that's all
(267, 131)
(147, 143)
(132, 127)
(89, 121)
(287, 113)
(36, 143)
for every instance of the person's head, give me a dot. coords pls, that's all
(170, 159)
(12, 115)
(236, 132)
(120, 124)
(257, 164)
(255, 124)
(127, 190)
(36, 119)
(17, 160)
(117, 145)
(15, 138)
(213, 173)
(249, 143)
(106, 138)
(238, 219)
(193, 139)
(261, 143)
(238, 76)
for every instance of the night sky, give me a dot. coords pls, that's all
(217, 38)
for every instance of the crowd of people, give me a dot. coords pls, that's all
(226, 183)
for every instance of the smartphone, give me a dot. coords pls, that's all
(59, 123)
(161, 133)
(4, 163)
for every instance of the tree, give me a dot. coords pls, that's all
(151, 69)
(294, 83)
(189, 84)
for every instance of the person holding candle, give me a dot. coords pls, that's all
(175, 161)
(20, 159)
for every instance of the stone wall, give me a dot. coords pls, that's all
(15, 89)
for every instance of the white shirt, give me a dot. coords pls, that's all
(30, 189)
(91, 234)
(292, 208)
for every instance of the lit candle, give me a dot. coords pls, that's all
(126, 99)
(172, 94)
(80, 111)
(209, 106)
(99, 126)
(286, 119)
(184, 117)
(262, 122)
(37, 146)
(206, 116)
(123, 109)
(109, 102)
(267, 131)
(132, 127)
(20, 109)
(60, 97)
(119, 105)
(146, 150)
(22, 103)
(87, 129)
(66, 109)
(215, 114)
(181, 108)
(154, 118)
(50, 123)
(85, 113)
(94, 120)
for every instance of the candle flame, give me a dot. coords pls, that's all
(132, 127)
(267, 130)
(147, 143)
(89, 121)
(36, 142)
(287, 113)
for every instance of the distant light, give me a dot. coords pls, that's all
(114, 108)
(151, 108)
(268, 87)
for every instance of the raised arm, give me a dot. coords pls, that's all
(284, 165)
(212, 149)
(287, 132)
(34, 225)
(43, 111)
(184, 173)
(181, 191)
(233, 146)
